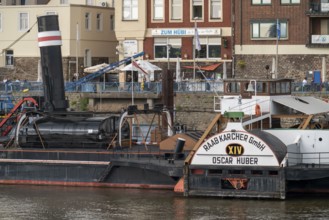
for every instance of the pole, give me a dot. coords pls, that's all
(277, 48)
(168, 54)
(132, 82)
(194, 49)
(276, 58)
(76, 53)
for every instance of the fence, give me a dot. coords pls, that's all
(148, 87)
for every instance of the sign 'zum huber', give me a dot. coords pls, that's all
(238, 148)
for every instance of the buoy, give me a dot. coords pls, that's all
(257, 110)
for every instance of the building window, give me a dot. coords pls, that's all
(64, 2)
(112, 23)
(23, 21)
(288, 2)
(210, 48)
(176, 9)
(268, 30)
(130, 9)
(261, 2)
(99, 22)
(197, 9)
(87, 21)
(158, 9)
(167, 47)
(89, 2)
(215, 9)
(87, 58)
(9, 57)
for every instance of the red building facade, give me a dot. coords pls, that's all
(171, 33)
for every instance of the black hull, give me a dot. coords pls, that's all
(308, 179)
(136, 169)
(81, 168)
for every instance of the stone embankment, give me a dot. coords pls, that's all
(195, 110)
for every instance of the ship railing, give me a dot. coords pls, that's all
(308, 160)
(249, 107)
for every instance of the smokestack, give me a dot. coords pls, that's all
(50, 41)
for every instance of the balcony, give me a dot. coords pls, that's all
(318, 41)
(317, 9)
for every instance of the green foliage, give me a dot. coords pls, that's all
(84, 104)
(241, 63)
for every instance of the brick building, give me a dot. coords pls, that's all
(167, 31)
(301, 48)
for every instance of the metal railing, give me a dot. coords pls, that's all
(213, 86)
(309, 160)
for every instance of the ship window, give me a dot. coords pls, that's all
(278, 87)
(256, 172)
(236, 172)
(273, 172)
(215, 172)
(197, 171)
(233, 87)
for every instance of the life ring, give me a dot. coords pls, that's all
(257, 110)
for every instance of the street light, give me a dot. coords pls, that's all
(195, 44)
(267, 67)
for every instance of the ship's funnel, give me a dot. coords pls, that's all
(50, 41)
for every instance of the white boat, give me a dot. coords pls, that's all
(268, 144)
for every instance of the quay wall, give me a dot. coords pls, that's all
(195, 110)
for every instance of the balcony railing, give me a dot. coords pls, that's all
(316, 9)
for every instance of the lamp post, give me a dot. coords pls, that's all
(267, 67)
(195, 42)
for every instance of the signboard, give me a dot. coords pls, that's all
(130, 48)
(235, 148)
(324, 7)
(186, 32)
(320, 39)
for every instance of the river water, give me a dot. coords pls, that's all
(49, 202)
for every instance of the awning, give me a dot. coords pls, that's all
(95, 68)
(142, 64)
(212, 67)
(304, 104)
